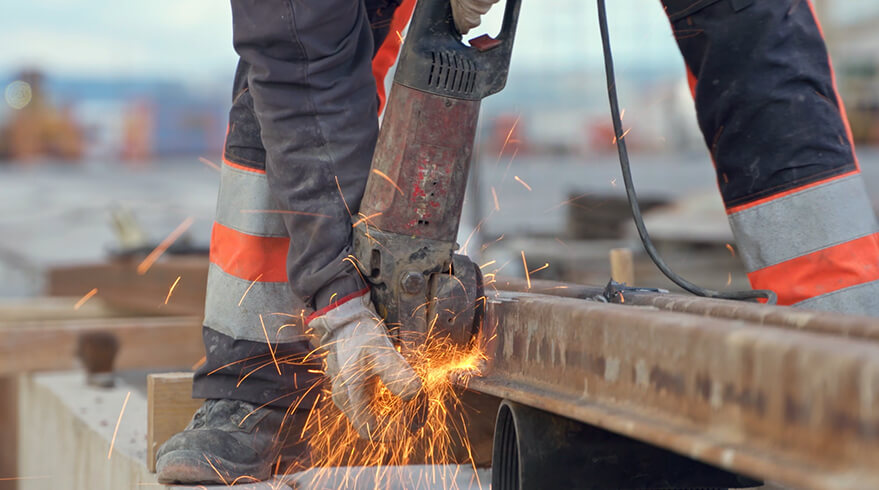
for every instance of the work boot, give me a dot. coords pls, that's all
(229, 441)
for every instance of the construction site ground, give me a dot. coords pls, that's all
(52, 216)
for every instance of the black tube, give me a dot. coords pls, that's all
(534, 449)
(770, 296)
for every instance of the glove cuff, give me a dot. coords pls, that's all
(320, 322)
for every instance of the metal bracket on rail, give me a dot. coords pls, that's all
(614, 292)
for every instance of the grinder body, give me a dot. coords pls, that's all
(405, 241)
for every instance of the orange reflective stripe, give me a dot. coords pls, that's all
(692, 81)
(242, 167)
(831, 269)
(249, 257)
(386, 55)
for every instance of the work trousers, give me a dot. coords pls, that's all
(298, 149)
(303, 126)
(776, 128)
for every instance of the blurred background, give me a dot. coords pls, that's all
(113, 115)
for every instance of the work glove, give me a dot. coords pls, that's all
(468, 13)
(359, 350)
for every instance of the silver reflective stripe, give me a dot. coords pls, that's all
(273, 300)
(803, 222)
(245, 204)
(862, 299)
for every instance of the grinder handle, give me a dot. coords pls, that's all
(434, 59)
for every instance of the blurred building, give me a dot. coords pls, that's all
(852, 32)
(37, 129)
(127, 119)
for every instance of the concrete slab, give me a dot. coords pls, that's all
(67, 428)
(276, 484)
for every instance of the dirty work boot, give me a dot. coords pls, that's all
(229, 441)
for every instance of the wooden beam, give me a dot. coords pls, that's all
(120, 285)
(170, 407)
(56, 308)
(158, 342)
(622, 266)
(8, 432)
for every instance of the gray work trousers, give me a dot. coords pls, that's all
(304, 119)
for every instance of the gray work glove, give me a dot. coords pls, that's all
(359, 350)
(468, 13)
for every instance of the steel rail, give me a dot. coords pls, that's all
(797, 407)
(773, 316)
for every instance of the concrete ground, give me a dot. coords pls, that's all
(51, 214)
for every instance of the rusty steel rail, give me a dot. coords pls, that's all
(771, 316)
(796, 406)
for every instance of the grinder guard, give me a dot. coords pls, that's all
(411, 209)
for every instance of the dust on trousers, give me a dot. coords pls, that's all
(303, 126)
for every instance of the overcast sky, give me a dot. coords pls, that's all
(167, 38)
(191, 39)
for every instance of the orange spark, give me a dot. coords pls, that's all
(731, 249)
(399, 36)
(85, 298)
(443, 367)
(497, 205)
(215, 469)
(342, 195)
(569, 201)
(118, 421)
(365, 219)
(269, 343)
(483, 266)
(284, 211)
(248, 289)
(486, 245)
(527, 275)
(172, 289)
(522, 182)
(729, 278)
(209, 163)
(167, 242)
(507, 140)
(200, 363)
(17, 478)
(390, 181)
(539, 268)
(621, 137)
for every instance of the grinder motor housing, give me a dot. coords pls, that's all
(405, 242)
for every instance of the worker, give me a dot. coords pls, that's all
(301, 134)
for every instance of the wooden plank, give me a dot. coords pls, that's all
(56, 308)
(622, 266)
(121, 286)
(8, 432)
(159, 342)
(170, 407)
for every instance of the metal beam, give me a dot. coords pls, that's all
(770, 316)
(797, 407)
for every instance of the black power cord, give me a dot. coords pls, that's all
(770, 296)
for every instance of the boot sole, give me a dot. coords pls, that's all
(192, 468)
